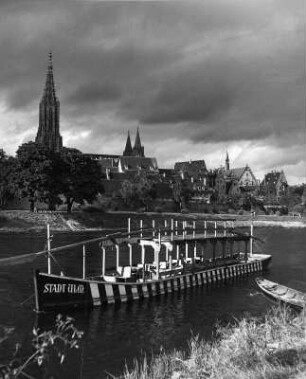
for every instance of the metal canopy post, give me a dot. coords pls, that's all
(117, 256)
(130, 254)
(143, 253)
(129, 227)
(49, 248)
(251, 236)
(84, 262)
(103, 260)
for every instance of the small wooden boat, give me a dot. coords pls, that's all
(278, 292)
(169, 262)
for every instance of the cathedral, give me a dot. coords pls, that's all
(49, 114)
(132, 159)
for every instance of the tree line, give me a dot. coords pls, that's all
(44, 176)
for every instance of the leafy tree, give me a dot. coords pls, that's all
(7, 170)
(182, 193)
(34, 174)
(80, 178)
(144, 188)
(127, 192)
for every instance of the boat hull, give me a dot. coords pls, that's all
(282, 294)
(53, 292)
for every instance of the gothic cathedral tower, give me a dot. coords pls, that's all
(49, 111)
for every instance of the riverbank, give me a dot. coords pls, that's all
(26, 221)
(274, 347)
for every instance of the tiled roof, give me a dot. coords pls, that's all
(192, 168)
(236, 172)
(134, 163)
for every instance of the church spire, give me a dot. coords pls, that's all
(227, 163)
(138, 150)
(49, 90)
(49, 110)
(128, 151)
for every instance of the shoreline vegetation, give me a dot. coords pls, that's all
(82, 221)
(273, 347)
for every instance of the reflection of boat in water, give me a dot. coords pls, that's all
(178, 263)
(281, 293)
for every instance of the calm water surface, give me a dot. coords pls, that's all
(114, 336)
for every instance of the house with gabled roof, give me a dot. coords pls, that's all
(235, 181)
(195, 174)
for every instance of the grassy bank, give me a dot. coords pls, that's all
(271, 348)
(91, 218)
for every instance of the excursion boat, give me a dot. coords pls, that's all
(280, 293)
(177, 262)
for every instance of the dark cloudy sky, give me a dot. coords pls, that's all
(199, 78)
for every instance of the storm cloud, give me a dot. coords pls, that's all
(199, 78)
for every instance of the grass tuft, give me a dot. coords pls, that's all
(271, 348)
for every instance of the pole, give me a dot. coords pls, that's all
(103, 260)
(130, 254)
(143, 262)
(141, 227)
(129, 227)
(49, 248)
(157, 255)
(117, 257)
(251, 236)
(153, 228)
(172, 227)
(84, 261)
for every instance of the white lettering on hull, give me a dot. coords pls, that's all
(64, 288)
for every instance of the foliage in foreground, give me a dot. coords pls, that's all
(46, 346)
(273, 348)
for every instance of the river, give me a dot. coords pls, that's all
(116, 335)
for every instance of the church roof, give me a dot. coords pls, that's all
(136, 163)
(236, 172)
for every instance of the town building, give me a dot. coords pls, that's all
(231, 182)
(274, 185)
